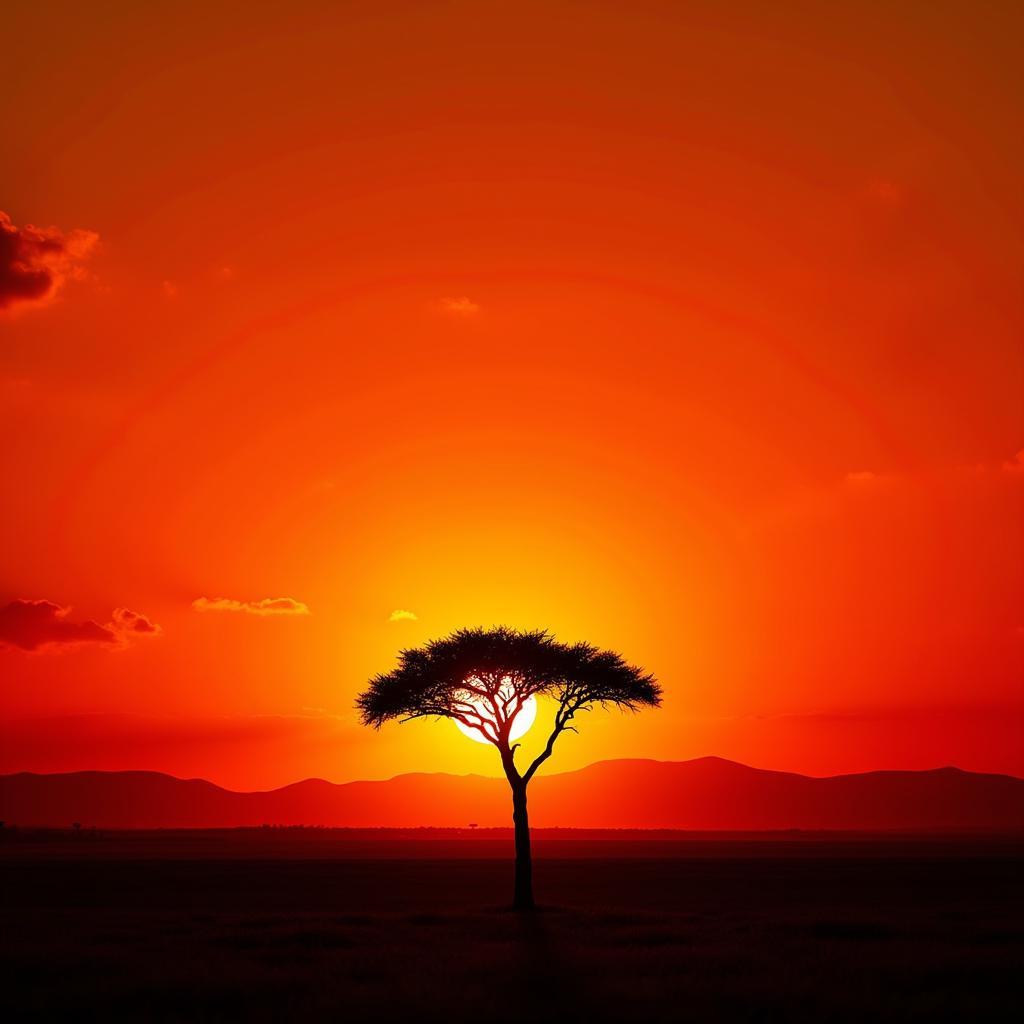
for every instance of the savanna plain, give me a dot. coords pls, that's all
(321, 924)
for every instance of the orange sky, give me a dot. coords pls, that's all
(690, 329)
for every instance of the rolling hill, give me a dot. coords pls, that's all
(706, 794)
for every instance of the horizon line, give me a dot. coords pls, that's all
(498, 778)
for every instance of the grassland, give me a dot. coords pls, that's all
(299, 925)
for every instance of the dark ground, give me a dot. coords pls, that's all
(315, 925)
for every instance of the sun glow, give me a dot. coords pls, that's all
(520, 723)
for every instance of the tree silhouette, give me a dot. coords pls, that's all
(483, 678)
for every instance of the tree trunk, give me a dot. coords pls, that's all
(523, 899)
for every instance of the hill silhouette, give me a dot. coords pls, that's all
(704, 794)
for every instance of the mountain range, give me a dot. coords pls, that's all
(704, 794)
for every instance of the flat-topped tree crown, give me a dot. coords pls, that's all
(462, 675)
(482, 678)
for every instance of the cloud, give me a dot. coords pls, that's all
(401, 615)
(29, 625)
(459, 307)
(1016, 464)
(862, 476)
(35, 262)
(127, 621)
(265, 606)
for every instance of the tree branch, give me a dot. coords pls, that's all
(562, 716)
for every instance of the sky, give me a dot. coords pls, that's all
(693, 330)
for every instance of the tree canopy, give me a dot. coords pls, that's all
(482, 678)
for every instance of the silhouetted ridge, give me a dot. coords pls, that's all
(708, 793)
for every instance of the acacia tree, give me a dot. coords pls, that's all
(483, 678)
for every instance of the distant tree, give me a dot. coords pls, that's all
(483, 678)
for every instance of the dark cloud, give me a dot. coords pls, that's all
(29, 625)
(35, 262)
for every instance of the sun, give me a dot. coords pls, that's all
(520, 724)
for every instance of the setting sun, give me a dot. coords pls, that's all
(637, 385)
(325, 333)
(520, 724)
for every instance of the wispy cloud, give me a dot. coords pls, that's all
(30, 625)
(461, 306)
(265, 606)
(35, 262)
(401, 615)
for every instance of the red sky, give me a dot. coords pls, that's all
(690, 329)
